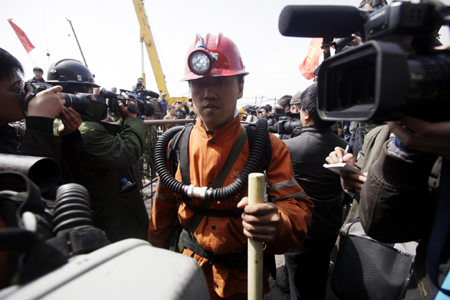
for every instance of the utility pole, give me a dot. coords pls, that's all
(75, 35)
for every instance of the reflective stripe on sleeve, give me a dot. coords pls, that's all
(296, 196)
(282, 185)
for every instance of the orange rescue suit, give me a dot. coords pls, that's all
(207, 156)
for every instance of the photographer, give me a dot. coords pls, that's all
(251, 114)
(283, 103)
(36, 138)
(107, 157)
(307, 264)
(139, 85)
(264, 112)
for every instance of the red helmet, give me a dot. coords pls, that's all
(216, 55)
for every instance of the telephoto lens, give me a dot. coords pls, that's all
(79, 102)
(72, 208)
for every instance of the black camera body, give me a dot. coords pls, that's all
(79, 102)
(280, 114)
(378, 81)
(140, 90)
(145, 107)
(395, 72)
(252, 111)
(288, 122)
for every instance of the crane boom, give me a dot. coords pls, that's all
(147, 38)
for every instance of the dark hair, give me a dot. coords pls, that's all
(269, 107)
(266, 108)
(308, 101)
(38, 69)
(170, 107)
(285, 100)
(9, 65)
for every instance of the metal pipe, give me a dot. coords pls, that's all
(162, 122)
(73, 30)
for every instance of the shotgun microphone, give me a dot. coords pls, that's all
(320, 20)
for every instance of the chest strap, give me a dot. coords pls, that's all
(218, 213)
(218, 182)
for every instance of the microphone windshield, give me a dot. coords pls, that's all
(319, 20)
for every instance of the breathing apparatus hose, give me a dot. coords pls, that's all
(253, 163)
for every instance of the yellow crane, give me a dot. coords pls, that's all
(147, 38)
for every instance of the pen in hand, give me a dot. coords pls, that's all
(345, 153)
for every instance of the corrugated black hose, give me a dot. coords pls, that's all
(253, 164)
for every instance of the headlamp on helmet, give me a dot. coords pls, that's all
(214, 55)
(200, 61)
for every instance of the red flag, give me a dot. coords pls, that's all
(22, 36)
(311, 61)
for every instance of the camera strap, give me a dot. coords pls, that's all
(25, 104)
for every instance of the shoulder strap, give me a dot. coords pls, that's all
(176, 156)
(237, 148)
(184, 159)
(235, 151)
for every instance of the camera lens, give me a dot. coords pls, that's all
(79, 102)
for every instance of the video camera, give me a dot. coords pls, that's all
(280, 114)
(252, 110)
(145, 107)
(140, 90)
(79, 102)
(287, 121)
(377, 81)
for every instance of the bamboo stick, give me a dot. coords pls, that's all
(256, 190)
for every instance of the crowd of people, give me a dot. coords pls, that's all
(203, 192)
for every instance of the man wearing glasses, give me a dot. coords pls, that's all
(36, 138)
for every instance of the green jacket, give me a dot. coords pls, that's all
(109, 151)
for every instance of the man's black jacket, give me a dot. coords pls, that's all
(308, 152)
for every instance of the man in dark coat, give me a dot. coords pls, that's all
(35, 135)
(308, 263)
